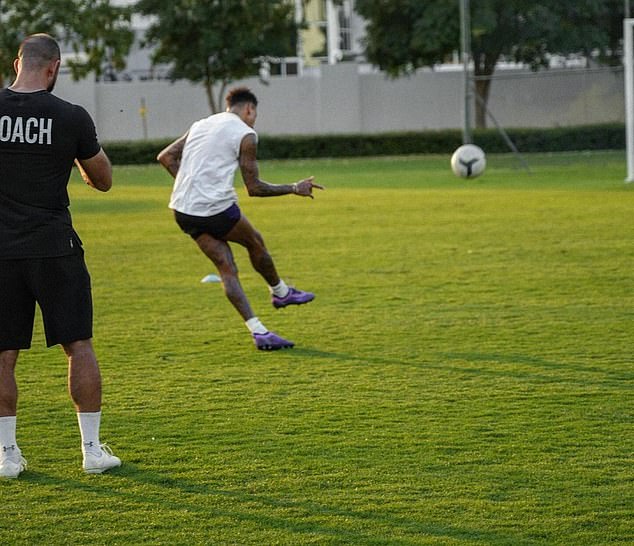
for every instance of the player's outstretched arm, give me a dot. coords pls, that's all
(96, 171)
(170, 156)
(260, 188)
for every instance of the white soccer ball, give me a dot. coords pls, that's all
(468, 161)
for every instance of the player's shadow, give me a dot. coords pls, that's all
(497, 365)
(564, 371)
(161, 492)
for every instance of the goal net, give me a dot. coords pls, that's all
(628, 59)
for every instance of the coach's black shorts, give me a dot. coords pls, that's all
(217, 225)
(60, 286)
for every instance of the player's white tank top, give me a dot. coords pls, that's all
(204, 183)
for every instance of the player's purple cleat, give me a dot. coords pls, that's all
(271, 342)
(294, 297)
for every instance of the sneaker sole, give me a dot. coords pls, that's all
(282, 305)
(274, 347)
(100, 470)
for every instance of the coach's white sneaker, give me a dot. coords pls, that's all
(96, 463)
(11, 464)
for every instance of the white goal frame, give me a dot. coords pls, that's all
(628, 61)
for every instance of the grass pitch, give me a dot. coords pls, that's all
(464, 375)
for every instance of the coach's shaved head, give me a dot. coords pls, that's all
(38, 57)
(38, 50)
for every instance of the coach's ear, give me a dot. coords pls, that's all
(96, 171)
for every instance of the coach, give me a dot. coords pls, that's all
(41, 257)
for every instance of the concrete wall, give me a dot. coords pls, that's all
(344, 99)
(559, 98)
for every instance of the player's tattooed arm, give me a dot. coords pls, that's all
(170, 156)
(251, 173)
(260, 188)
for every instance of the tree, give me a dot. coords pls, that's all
(217, 41)
(403, 35)
(98, 32)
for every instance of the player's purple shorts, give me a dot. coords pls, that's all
(217, 225)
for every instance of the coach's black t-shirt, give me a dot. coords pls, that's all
(40, 137)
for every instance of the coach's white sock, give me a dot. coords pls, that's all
(255, 326)
(89, 423)
(8, 444)
(280, 289)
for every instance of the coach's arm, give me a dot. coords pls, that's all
(96, 171)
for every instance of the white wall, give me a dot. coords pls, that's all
(343, 99)
(559, 98)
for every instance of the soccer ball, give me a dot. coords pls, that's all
(468, 161)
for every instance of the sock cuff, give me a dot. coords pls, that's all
(255, 326)
(280, 289)
(7, 431)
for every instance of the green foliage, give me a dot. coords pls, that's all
(215, 42)
(561, 139)
(592, 137)
(94, 27)
(464, 376)
(101, 32)
(136, 152)
(531, 32)
(403, 35)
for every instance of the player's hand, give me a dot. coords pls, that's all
(305, 187)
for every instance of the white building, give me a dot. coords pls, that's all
(333, 33)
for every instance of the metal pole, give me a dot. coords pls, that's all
(503, 132)
(465, 35)
(628, 43)
(627, 9)
(332, 33)
(299, 19)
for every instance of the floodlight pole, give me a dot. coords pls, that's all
(465, 35)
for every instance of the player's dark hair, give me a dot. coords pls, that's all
(38, 50)
(240, 95)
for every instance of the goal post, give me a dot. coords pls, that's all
(628, 60)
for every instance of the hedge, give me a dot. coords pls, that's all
(587, 137)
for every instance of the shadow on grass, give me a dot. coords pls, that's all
(499, 366)
(607, 376)
(166, 493)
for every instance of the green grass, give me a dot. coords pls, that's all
(463, 377)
